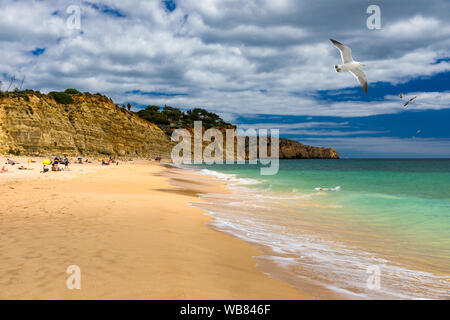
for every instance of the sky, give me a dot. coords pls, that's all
(258, 63)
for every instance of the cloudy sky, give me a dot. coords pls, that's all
(258, 63)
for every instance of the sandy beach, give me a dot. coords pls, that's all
(131, 231)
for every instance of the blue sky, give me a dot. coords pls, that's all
(258, 63)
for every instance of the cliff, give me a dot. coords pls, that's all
(290, 149)
(35, 124)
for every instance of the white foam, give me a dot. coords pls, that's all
(338, 267)
(231, 178)
(337, 188)
(245, 213)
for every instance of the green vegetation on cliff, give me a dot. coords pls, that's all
(169, 118)
(62, 97)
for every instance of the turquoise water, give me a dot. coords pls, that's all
(397, 211)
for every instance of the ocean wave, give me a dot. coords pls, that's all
(337, 188)
(231, 178)
(275, 220)
(261, 217)
(336, 266)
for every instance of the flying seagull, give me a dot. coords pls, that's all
(350, 65)
(418, 132)
(409, 101)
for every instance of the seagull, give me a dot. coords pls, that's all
(409, 101)
(350, 65)
(418, 132)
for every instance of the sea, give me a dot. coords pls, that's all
(342, 229)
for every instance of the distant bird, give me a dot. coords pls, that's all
(418, 132)
(401, 95)
(350, 65)
(409, 101)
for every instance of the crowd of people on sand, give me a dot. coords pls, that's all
(54, 164)
(59, 161)
(62, 163)
(47, 165)
(13, 163)
(108, 161)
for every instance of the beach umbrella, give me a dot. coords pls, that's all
(46, 161)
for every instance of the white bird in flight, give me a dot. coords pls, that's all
(350, 65)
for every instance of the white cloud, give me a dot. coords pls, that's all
(417, 26)
(311, 129)
(233, 57)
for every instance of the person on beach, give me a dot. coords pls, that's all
(44, 169)
(4, 169)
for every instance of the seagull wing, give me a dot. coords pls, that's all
(410, 100)
(361, 76)
(346, 52)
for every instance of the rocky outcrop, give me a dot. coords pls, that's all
(291, 149)
(35, 124)
(288, 149)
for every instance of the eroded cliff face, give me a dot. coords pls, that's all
(288, 149)
(35, 124)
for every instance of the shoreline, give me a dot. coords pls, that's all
(262, 260)
(129, 229)
(248, 214)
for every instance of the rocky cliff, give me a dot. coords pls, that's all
(35, 124)
(290, 149)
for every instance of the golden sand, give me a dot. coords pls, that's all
(131, 232)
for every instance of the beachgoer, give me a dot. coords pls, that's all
(4, 169)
